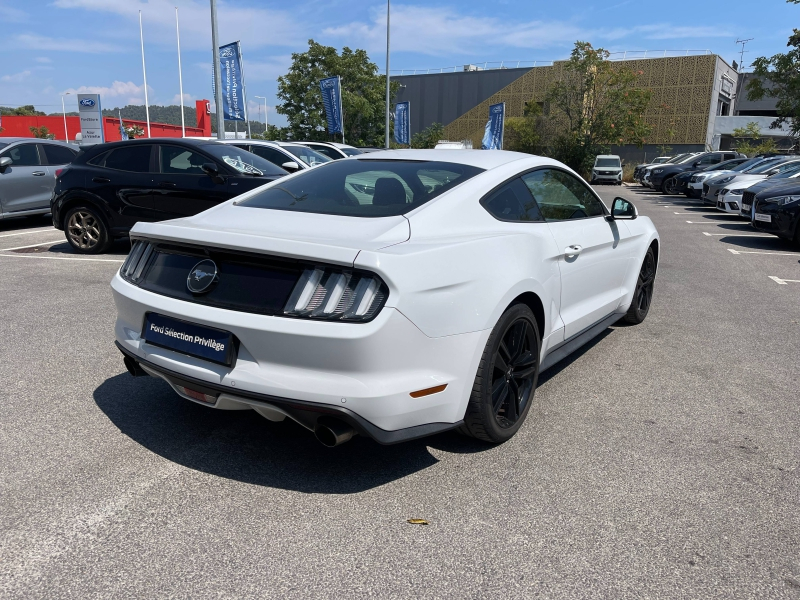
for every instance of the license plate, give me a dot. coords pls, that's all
(208, 343)
(764, 218)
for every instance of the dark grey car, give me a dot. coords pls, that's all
(28, 174)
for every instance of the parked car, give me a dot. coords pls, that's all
(686, 158)
(663, 177)
(109, 188)
(639, 170)
(658, 160)
(286, 155)
(427, 297)
(333, 150)
(779, 179)
(687, 183)
(714, 185)
(730, 195)
(607, 169)
(777, 211)
(28, 168)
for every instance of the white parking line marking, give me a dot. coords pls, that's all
(732, 251)
(59, 257)
(780, 281)
(31, 245)
(734, 234)
(27, 232)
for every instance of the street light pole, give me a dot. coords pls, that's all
(265, 113)
(388, 4)
(144, 74)
(180, 73)
(217, 74)
(64, 112)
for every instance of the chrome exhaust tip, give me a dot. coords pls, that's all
(332, 432)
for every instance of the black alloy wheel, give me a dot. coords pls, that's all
(670, 186)
(506, 380)
(643, 295)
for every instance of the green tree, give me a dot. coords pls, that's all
(593, 105)
(42, 133)
(428, 137)
(272, 133)
(779, 77)
(524, 134)
(750, 142)
(21, 111)
(363, 95)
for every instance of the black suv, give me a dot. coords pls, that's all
(109, 187)
(662, 177)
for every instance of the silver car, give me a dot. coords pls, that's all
(28, 174)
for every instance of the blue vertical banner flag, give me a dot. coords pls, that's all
(402, 123)
(230, 64)
(331, 89)
(493, 134)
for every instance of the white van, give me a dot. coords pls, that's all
(607, 169)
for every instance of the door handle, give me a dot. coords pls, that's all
(100, 180)
(37, 173)
(166, 184)
(573, 250)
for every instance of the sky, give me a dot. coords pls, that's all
(52, 47)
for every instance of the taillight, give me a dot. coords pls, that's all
(336, 295)
(60, 172)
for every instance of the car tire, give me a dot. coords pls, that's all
(669, 186)
(86, 230)
(643, 294)
(505, 383)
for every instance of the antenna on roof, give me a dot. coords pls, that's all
(741, 53)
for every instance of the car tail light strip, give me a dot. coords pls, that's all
(134, 265)
(325, 293)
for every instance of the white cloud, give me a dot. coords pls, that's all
(256, 27)
(71, 45)
(188, 99)
(16, 77)
(43, 59)
(124, 92)
(10, 14)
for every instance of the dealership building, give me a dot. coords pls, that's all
(697, 99)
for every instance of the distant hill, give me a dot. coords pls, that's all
(169, 114)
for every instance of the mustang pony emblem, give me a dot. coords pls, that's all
(202, 276)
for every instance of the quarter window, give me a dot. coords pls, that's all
(276, 157)
(512, 202)
(24, 155)
(561, 197)
(134, 158)
(58, 155)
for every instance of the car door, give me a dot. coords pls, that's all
(123, 179)
(182, 188)
(24, 184)
(594, 259)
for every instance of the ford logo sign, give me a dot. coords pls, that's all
(226, 53)
(329, 84)
(202, 276)
(87, 102)
(497, 109)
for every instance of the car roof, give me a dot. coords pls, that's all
(13, 140)
(607, 156)
(483, 159)
(334, 144)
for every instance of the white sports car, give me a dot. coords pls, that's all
(395, 294)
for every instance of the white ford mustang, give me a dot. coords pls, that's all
(394, 295)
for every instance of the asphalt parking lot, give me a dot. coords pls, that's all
(663, 460)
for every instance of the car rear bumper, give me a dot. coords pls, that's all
(367, 369)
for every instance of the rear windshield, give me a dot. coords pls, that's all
(607, 162)
(351, 151)
(363, 187)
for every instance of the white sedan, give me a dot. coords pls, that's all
(393, 295)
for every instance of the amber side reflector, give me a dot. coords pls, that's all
(428, 391)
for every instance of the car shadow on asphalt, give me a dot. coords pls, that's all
(243, 446)
(23, 223)
(770, 244)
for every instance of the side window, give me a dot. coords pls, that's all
(133, 158)
(712, 159)
(512, 202)
(729, 157)
(381, 188)
(561, 196)
(58, 155)
(276, 157)
(24, 155)
(329, 152)
(180, 161)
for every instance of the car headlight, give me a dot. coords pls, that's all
(783, 200)
(738, 192)
(725, 180)
(336, 295)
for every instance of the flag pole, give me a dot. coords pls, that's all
(217, 74)
(244, 87)
(388, 4)
(144, 72)
(180, 73)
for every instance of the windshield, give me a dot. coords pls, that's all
(307, 155)
(750, 162)
(768, 164)
(242, 160)
(363, 187)
(351, 151)
(607, 162)
(791, 170)
(677, 159)
(723, 166)
(660, 160)
(685, 159)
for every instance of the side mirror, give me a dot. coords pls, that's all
(291, 166)
(212, 171)
(4, 162)
(623, 210)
